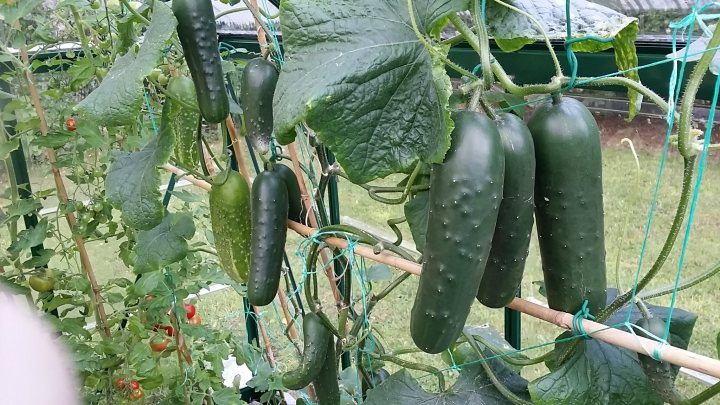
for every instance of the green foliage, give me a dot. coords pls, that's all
(165, 244)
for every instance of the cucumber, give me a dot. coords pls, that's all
(569, 205)
(258, 82)
(506, 263)
(230, 222)
(184, 121)
(198, 37)
(269, 231)
(660, 375)
(315, 343)
(326, 385)
(465, 195)
(296, 209)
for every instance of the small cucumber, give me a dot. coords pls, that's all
(198, 37)
(569, 205)
(269, 232)
(465, 195)
(327, 389)
(315, 347)
(506, 264)
(296, 209)
(230, 222)
(184, 121)
(257, 87)
(660, 375)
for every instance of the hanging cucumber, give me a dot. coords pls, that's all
(465, 194)
(269, 231)
(569, 205)
(198, 37)
(296, 209)
(660, 375)
(258, 82)
(184, 121)
(230, 222)
(506, 263)
(326, 385)
(315, 343)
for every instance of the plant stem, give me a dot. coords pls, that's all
(705, 395)
(405, 191)
(688, 100)
(393, 224)
(414, 366)
(359, 321)
(491, 374)
(262, 28)
(558, 69)
(659, 292)
(484, 42)
(230, 11)
(81, 31)
(134, 12)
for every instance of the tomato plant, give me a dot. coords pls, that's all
(363, 90)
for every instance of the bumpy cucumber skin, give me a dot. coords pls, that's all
(660, 375)
(184, 121)
(269, 232)
(198, 37)
(506, 263)
(569, 205)
(326, 385)
(258, 83)
(230, 222)
(315, 343)
(465, 195)
(296, 209)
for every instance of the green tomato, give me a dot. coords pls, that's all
(70, 55)
(162, 79)
(95, 5)
(44, 282)
(154, 74)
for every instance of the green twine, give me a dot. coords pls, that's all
(577, 325)
(572, 59)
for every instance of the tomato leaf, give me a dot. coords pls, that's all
(132, 182)
(29, 237)
(598, 373)
(19, 208)
(472, 387)
(416, 212)
(376, 97)
(164, 244)
(512, 31)
(12, 12)
(118, 98)
(226, 396)
(8, 146)
(40, 259)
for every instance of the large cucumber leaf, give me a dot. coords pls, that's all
(357, 74)
(165, 244)
(512, 30)
(118, 98)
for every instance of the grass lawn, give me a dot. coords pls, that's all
(627, 197)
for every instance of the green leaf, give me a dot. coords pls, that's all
(416, 212)
(164, 244)
(19, 208)
(12, 287)
(375, 98)
(133, 180)
(227, 396)
(7, 147)
(81, 72)
(472, 387)
(379, 272)
(597, 374)
(626, 58)
(118, 98)
(40, 259)
(29, 237)
(20, 9)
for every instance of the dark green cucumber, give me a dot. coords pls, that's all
(327, 390)
(198, 37)
(465, 195)
(258, 82)
(315, 343)
(660, 375)
(184, 121)
(506, 263)
(269, 231)
(296, 209)
(230, 221)
(569, 205)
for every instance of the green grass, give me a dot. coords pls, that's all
(627, 197)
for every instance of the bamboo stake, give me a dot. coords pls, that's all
(617, 337)
(62, 194)
(239, 156)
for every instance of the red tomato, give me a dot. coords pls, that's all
(195, 320)
(134, 385)
(136, 394)
(166, 328)
(71, 125)
(190, 309)
(159, 345)
(120, 383)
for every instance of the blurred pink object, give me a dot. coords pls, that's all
(35, 367)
